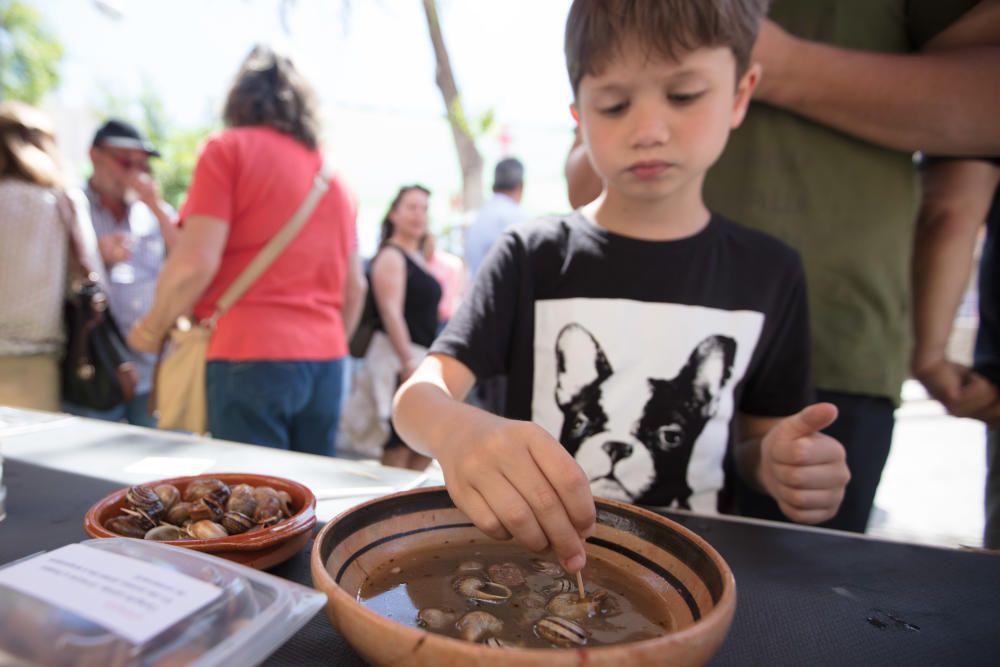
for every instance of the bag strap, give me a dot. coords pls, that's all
(270, 252)
(79, 269)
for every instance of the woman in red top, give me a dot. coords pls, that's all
(274, 370)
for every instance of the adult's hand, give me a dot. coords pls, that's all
(115, 247)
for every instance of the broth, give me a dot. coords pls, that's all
(426, 580)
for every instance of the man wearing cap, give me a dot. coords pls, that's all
(134, 228)
(501, 211)
(496, 215)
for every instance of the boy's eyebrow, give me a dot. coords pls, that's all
(681, 75)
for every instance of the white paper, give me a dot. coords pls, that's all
(129, 597)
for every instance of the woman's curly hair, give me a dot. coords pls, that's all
(270, 91)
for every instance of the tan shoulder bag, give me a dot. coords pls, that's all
(179, 392)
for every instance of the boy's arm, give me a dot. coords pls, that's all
(510, 477)
(942, 102)
(805, 471)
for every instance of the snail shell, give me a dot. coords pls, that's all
(507, 574)
(242, 500)
(481, 590)
(206, 530)
(436, 619)
(125, 525)
(168, 494)
(144, 499)
(478, 625)
(200, 488)
(531, 604)
(268, 508)
(285, 499)
(546, 567)
(570, 606)
(236, 523)
(179, 513)
(166, 532)
(561, 632)
(559, 586)
(140, 518)
(206, 509)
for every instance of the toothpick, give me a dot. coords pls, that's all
(579, 583)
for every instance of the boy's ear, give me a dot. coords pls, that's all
(574, 112)
(744, 93)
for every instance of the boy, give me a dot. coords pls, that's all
(641, 331)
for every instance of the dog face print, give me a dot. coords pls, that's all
(640, 453)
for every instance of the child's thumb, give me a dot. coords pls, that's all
(809, 420)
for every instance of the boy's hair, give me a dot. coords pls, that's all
(596, 30)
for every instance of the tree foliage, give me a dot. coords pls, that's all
(29, 54)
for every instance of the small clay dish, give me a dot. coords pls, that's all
(260, 548)
(680, 569)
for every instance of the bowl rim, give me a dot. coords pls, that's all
(303, 520)
(720, 614)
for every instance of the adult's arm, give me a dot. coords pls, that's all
(389, 287)
(957, 197)
(355, 290)
(188, 270)
(582, 182)
(942, 102)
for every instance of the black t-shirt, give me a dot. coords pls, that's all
(420, 305)
(637, 354)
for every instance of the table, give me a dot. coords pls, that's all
(805, 596)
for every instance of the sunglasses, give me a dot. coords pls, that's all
(128, 163)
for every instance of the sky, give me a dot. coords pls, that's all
(372, 64)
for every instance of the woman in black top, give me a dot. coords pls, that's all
(406, 296)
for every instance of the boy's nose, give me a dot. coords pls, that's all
(650, 126)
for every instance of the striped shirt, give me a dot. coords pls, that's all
(132, 283)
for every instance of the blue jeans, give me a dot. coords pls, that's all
(134, 412)
(283, 404)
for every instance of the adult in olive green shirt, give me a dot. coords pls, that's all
(824, 162)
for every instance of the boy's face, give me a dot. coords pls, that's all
(654, 126)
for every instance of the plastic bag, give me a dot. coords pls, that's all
(255, 613)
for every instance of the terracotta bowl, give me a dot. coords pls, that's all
(260, 549)
(686, 574)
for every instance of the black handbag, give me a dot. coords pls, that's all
(367, 326)
(95, 371)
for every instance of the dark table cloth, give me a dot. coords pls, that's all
(803, 597)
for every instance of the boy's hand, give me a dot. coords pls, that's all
(804, 470)
(513, 479)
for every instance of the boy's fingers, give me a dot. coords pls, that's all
(805, 451)
(513, 511)
(809, 420)
(822, 476)
(564, 474)
(563, 538)
(803, 500)
(479, 513)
